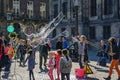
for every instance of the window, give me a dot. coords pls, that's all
(43, 10)
(55, 10)
(16, 7)
(92, 32)
(30, 9)
(108, 7)
(64, 8)
(106, 31)
(93, 7)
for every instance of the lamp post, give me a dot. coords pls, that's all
(76, 15)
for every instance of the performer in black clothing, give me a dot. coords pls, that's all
(59, 44)
(43, 50)
(22, 48)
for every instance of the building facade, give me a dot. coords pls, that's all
(31, 9)
(23, 12)
(97, 19)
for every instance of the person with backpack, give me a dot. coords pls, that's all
(65, 65)
(51, 64)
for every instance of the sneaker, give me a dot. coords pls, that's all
(108, 78)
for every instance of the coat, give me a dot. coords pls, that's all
(31, 61)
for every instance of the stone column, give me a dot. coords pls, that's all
(115, 8)
(68, 10)
(99, 32)
(51, 9)
(115, 29)
(99, 9)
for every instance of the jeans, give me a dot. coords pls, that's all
(65, 74)
(7, 67)
(22, 58)
(81, 61)
(98, 60)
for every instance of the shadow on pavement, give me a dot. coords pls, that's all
(44, 70)
(89, 78)
(100, 69)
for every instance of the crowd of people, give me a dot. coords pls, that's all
(59, 58)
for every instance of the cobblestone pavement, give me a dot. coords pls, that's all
(99, 72)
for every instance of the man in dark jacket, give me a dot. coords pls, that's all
(22, 48)
(59, 44)
(43, 50)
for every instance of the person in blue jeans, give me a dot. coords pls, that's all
(102, 52)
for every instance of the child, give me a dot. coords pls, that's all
(65, 65)
(51, 64)
(31, 63)
(58, 55)
(10, 52)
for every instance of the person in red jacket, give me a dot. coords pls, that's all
(58, 55)
(10, 52)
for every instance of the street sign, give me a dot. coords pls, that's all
(10, 28)
(88, 70)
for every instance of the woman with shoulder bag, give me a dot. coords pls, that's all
(113, 51)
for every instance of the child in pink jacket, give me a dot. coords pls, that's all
(51, 64)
